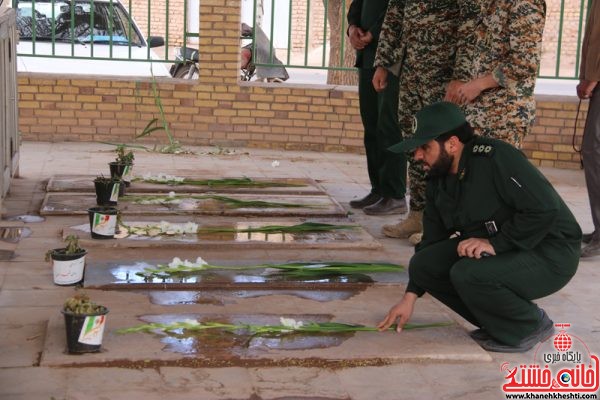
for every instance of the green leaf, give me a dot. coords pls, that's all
(307, 327)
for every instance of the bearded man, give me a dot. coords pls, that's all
(496, 235)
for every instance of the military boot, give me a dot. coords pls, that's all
(403, 229)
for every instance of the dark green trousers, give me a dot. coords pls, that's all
(494, 292)
(379, 114)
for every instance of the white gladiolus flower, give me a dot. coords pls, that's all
(290, 323)
(200, 261)
(171, 194)
(176, 262)
(164, 226)
(275, 164)
(191, 322)
(162, 177)
(190, 227)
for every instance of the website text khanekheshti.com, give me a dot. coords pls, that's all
(551, 395)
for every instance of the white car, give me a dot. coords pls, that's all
(67, 34)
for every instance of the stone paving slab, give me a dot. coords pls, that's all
(355, 238)
(311, 206)
(10, 235)
(363, 348)
(448, 343)
(33, 383)
(20, 345)
(84, 183)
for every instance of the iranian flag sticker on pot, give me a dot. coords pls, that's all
(114, 194)
(92, 330)
(104, 224)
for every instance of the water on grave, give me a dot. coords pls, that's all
(128, 273)
(13, 234)
(218, 344)
(242, 237)
(223, 297)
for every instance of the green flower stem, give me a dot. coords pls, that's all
(225, 182)
(300, 269)
(231, 202)
(304, 227)
(308, 327)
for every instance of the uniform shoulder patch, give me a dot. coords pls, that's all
(483, 149)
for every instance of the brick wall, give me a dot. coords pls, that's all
(217, 109)
(571, 12)
(316, 15)
(550, 143)
(159, 18)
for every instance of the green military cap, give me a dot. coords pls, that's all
(430, 122)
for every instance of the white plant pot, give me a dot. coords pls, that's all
(68, 272)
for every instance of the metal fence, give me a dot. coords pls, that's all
(307, 34)
(9, 139)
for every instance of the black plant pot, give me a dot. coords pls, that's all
(107, 191)
(103, 222)
(84, 331)
(121, 171)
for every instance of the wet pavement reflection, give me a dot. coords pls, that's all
(13, 235)
(223, 297)
(130, 274)
(216, 344)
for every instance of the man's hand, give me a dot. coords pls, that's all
(452, 91)
(380, 79)
(475, 247)
(356, 36)
(585, 89)
(400, 313)
(367, 38)
(470, 91)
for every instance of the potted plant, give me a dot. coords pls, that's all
(122, 167)
(108, 190)
(68, 262)
(84, 323)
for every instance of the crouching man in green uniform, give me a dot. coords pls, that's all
(496, 235)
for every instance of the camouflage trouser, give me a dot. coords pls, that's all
(413, 96)
(496, 114)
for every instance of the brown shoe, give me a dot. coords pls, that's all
(387, 206)
(369, 199)
(403, 229)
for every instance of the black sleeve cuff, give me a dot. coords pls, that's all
(413, 288)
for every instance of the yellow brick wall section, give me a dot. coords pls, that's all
(249, 114)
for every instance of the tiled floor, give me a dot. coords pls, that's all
(425, 365)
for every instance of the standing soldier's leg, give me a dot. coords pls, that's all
(590, 151)
(369, 113)
(392, 171)
(409, 104)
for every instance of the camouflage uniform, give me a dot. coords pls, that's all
(502, 38)
(418, 43)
